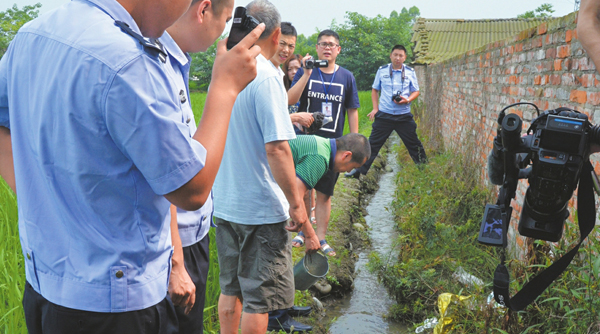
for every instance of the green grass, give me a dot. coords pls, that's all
(12, 272)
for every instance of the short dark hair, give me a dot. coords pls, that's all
(399, 47)
(218, 5)
(328, 32)
(288, 29)
(357, 144)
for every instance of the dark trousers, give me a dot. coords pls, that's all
(405, 127)
(196, 259)
(44, 317)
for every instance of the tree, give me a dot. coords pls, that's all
(12, 20)
(544, 10)
(201, 67)
(366, 42)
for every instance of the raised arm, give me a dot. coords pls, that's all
(232, 71)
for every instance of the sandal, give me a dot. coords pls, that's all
(326, 249)
(298, 239)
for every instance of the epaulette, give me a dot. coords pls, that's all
(384, 66)
(409, 68)
(152, 46)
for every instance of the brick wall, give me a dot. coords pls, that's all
(545, 65)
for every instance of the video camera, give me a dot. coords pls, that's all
(556, 145)
(311, 63)
(553, 157)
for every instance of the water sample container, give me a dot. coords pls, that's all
(309, 270)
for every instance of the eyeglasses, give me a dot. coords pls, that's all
(327, 45)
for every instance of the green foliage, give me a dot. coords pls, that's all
(306, 45)
(12, 20)
(12, 271)
(201, 67)
(367, 42)
(364, 123)
(544, 10)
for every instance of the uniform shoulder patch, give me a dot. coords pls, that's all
(384, 66)
(409, 68)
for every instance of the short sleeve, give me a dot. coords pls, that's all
(297, 76)
(143, 117)
(272, 111)
(4, 117)
(352, 101)
(414, 84)
(311, 169)
(377, 81)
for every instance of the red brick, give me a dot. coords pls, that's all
(557, 63)
(569, 36)
(537, 80)
(593, 98)
(551, 53)
(519, 47)
(542, 29)
(513, 90)
(555, 79)
(512, 80)
(578, 96)
(567, 64)
(564, 51)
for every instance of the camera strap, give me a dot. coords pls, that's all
(586, 214)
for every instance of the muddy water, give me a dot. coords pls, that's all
(364, 310)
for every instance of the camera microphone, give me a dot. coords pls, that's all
(495, 167)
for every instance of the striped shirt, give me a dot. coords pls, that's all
(312, 157)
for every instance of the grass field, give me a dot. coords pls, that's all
(12, 272)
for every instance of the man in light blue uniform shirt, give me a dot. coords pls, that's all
(391, 111)
(189, 229)
(95, 121)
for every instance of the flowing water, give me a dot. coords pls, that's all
(364, 310)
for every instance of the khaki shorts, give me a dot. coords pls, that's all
(255, 263)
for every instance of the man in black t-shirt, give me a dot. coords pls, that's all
(332, 91)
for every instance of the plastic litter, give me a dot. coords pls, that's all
(445, 301)
(467, 279)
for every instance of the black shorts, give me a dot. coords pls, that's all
(327, 183)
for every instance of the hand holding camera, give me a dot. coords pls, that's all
(309, 63)
(399, 99)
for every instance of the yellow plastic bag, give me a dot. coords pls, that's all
(445, 301)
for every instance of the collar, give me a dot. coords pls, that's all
(173, 49)
(117, 12)
(333, 153)
(398, 70)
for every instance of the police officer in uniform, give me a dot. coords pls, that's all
(391, 111)
(100, 151)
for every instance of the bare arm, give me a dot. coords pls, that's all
(302, 118)
(281, 162)
(7, 168)
(232, 71)
(588, 29)
(311, 241)
(375, 100)
(353, 120)
(181, 287)
(295, 91)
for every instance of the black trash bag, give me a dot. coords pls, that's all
(316, 124)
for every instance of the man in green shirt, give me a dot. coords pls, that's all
(314, 156)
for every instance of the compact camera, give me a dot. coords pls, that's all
(311, 63)
(242, 25)
(397, 97)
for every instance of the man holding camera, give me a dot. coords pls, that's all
(99, 152)
(391, 112)
(332, 91)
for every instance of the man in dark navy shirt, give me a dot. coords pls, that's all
(332, 91)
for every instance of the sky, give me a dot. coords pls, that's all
(308, 16)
